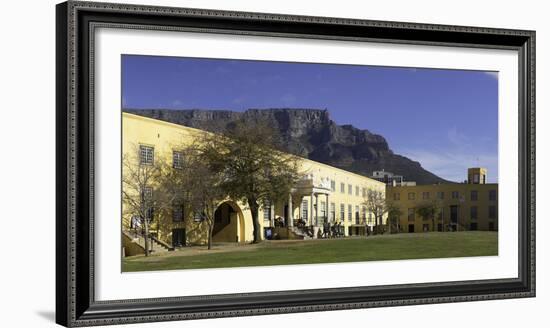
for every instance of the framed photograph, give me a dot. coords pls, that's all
(217, 164)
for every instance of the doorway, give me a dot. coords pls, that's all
(178, 237)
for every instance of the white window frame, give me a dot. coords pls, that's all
(146, 155)
(177, 159)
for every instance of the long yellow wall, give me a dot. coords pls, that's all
(338, 178)
(400, 196)
(165, 137)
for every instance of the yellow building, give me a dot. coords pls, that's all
(477, 175)
(462, 206)
(324, 194)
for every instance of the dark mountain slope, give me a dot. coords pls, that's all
(309, 133)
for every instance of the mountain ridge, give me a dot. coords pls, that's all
(309, 133)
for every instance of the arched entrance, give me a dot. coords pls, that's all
(228, 223)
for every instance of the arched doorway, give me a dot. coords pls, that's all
(228, 223)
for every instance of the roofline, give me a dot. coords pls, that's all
(448, 184)
(179, 126)
(174, 125)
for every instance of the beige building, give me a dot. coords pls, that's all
(324, 194)
(462, 206)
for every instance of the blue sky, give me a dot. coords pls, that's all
(445, 119)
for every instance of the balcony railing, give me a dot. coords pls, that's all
(309, 181)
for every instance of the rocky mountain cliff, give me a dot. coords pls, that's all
(309, 133)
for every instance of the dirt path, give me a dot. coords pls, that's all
(222, 248)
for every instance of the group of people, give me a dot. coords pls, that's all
(329, 230)
(335, 230)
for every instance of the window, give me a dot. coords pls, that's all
(323, 210)
(146, 155)
(454, 214)
(473, 213)
(426, 195)
(177, 159)
(364, 192)
(150, 213)
(135, 222)
(349, 212)
(440, 214)
(473, 195)
(333, 212)
(492, 212)
(357, 214)
(350, 189)
(371, 221)
(342, 211)
(177, 212)
(411, 196)
(476, 178)
(410, 214)
(454, 195)
(356, 190)
(491, 226)
(332, 185)
(267, 211)
(440, 195)
(364, 213)
(342, 188)
(147, 193)
(473, 226)
(304, 210)
(425, 227)
(178, 237)
(492, 195)
(396, 196)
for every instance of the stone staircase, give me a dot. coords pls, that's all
(299, 233)
(155, 245)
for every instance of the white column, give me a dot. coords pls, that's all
(290, 211)
(272, 214)
(310, 219)
(317, 209)
(327, 210)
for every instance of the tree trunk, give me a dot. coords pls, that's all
(210, 231)
(375, 224)
(253, 204)
(146, 237)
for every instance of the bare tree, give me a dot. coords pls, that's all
(252, 169)
(394, 213)
(199, 185)
(375, 201)
(140, 175)
(429, 211)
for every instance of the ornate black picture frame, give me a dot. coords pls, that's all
(75, 301)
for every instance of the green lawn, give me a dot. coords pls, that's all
(374, 248)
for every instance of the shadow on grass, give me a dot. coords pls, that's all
(380, 248)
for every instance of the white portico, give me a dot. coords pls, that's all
(318, 191)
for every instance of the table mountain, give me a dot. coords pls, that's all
(309, 133)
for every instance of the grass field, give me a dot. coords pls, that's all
(374, 248)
